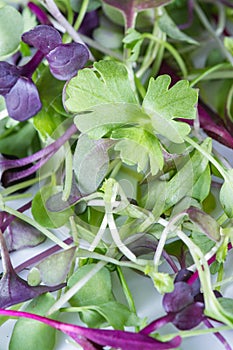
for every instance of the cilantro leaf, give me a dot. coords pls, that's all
(164, 105)
(139, 147)
(107, 82)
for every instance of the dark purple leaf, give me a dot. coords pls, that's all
(89, 23)
(13, 289)
(20, 234)
(179, 298)
(23, 100)
(40, 14)
(8, 77)
(43, 37)
(189, 317)
(90, 338)
(131, 7)
(205, 223)
(183, 275)
(66, 59)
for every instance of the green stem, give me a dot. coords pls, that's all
(212, 32)
(32, 222)
(127, 293)
(206, 73)
(172, 51)
(81, 14)
(68, 173)
(75, 288)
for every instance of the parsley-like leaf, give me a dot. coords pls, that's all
(164, 105)
(140, 147)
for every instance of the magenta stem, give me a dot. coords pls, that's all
(40, 14)
(29, 68)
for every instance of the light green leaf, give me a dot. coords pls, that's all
(33, 335)
(107, 82)
(228, 43)
(11, 29)
(226, 194)
(97, 291)
(91, 162)
(168, 26)
(42, 215)
(139, 147)
(29, 19)
(163, 282)
(106, 117)
(117, 315)
(54, 269)
(164, 104)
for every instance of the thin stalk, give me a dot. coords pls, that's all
(172, 51)
(73, 290)
(81, 14)
(68, 173)
(206, 73)
(212, 32)
(55, 12)
(32, 222)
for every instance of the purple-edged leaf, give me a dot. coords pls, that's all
(54, 269)
(205, 223)
(89, 23)
(91, 162)
(20, 235)
(129, 8)
(66, 59)
(43, 37)
(23, 101)
(179, 298)
(190, 317)
(8, 77)
(92, 339)
(13, 289)
(56, 202)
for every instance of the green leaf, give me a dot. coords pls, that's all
(165, 194)
(226, 194)
(29, 19)
(107, 82)
(97, 291)
(202, 241)
(139, 147)
(33, 335)
(11, 29)
(163, 282)
(168, 26)
(228, 43)
(106, 117)
(205, 223)
(163, 105)
(201, 188)
(117, 315)
(42, 215)
(17, 141)
(91, 162)
(54, 269)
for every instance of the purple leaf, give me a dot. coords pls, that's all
(89, 23)
(8, 77)
(20, 234)
(23, 100)
(130, 7)
(190, 317)
(43, 37)
(179, 298)
(205, 223)
(90, 338)
(66, 59)
(13, 289)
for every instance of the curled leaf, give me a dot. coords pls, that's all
(43, 37)
(23, 100)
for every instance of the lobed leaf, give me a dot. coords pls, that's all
(106, 83)
(139, 147)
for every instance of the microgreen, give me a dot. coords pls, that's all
(113, 182)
